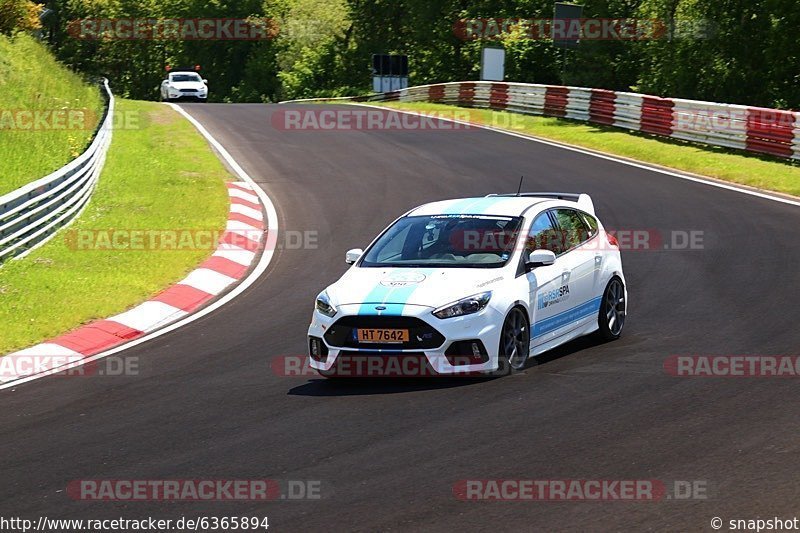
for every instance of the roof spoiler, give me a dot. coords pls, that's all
(584, 201)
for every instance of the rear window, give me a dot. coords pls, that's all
(185, 77)
(573, 227)
(591, 223)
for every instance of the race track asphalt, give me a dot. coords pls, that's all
(207, 405)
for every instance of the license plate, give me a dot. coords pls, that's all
(382, 336)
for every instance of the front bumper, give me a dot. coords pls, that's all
(188, 96)
(425, 354)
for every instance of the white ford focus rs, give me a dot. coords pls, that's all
(474, 285)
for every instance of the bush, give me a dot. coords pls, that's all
(19, 15)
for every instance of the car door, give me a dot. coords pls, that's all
(580, 262)
(548, 285)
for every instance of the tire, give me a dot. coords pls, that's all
(515, 342)
(611, 318)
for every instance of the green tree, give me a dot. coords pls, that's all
(19, 15)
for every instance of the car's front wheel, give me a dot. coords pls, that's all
(612, 310)
(515, 341)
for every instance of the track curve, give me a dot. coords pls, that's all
(207, 405)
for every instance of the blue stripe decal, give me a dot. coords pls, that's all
(392, 298)
(566, 317)
(488, 206)
(376, 296)
(391, 309)
(491, 205)
(470, 206)
(495, 208)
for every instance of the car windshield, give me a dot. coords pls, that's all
(185, 77)
(446, 241)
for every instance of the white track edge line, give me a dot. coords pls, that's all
(261, 267)
(643, 166)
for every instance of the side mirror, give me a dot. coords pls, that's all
(205, 81)
(539, 258)
(353, 255)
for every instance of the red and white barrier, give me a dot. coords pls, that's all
(770, 131)
(796, 141)
(236, 252)
(710, 123)
(628, 110)
(767, 131)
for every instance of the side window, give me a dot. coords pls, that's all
(573, 229)
(591, 223)
(543, 236)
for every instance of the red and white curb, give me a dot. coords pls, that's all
(235, 254)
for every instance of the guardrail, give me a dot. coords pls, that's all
(32, 214)
(754, 129)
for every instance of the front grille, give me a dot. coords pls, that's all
(419, 355)
(188, 90)
(422, 335)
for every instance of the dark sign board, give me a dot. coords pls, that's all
(566, 32)
(389, 65)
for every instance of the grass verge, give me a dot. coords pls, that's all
(67, 110)
(160, 174)
(762, 172)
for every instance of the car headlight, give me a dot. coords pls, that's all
(323, 305)
(465, 306)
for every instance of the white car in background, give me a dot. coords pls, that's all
(474, 285)
(184, 84)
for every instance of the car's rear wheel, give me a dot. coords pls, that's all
(612, 310)
(515, 341)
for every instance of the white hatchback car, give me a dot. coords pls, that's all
(184, 84)
(474, 285)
